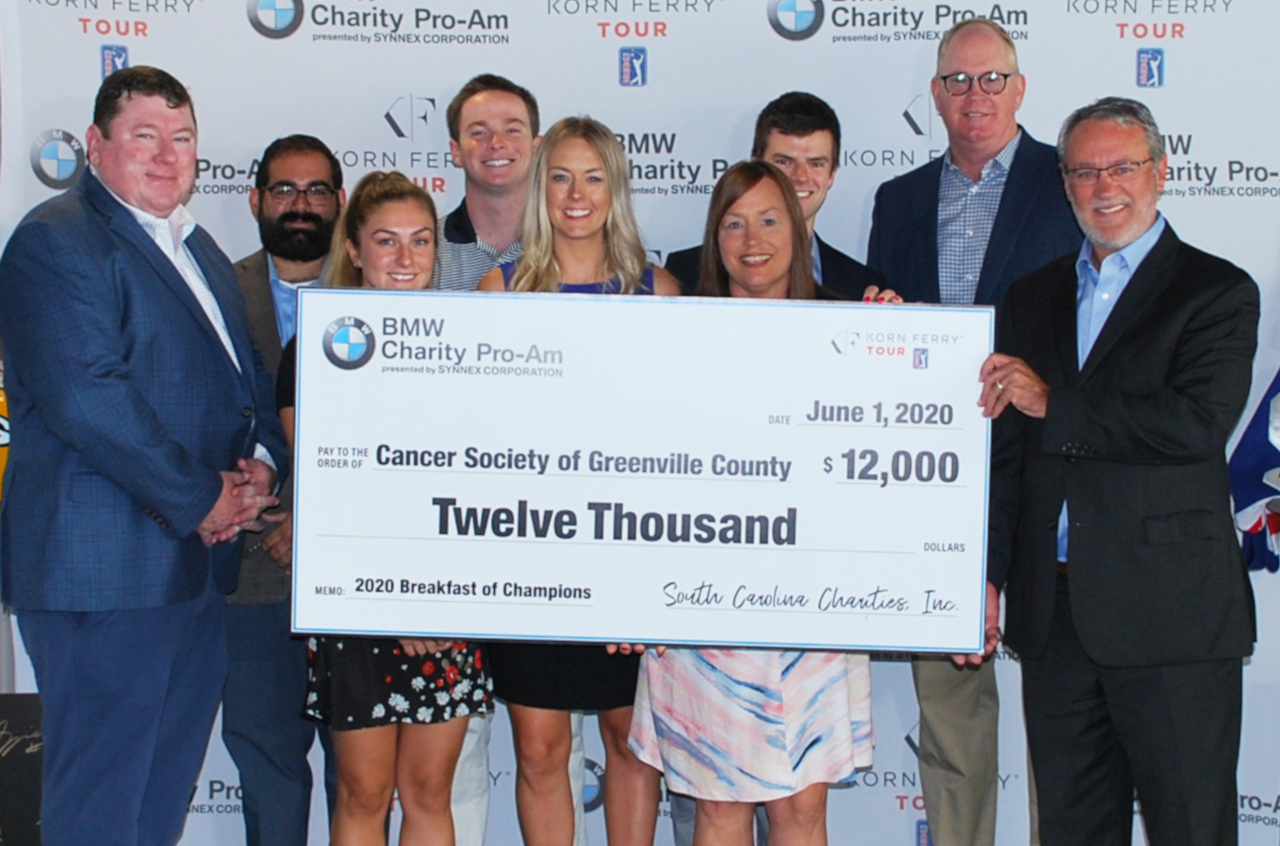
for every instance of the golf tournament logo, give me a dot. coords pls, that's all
(349, 342)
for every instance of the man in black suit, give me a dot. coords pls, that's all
(800, 134)
(1127, 366)
(959, 230)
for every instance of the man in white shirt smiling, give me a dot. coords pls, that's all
(144, 440)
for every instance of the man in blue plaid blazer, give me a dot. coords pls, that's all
(143, 441)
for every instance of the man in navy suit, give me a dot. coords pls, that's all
(800, 134)
(143, 441)
(960, 230)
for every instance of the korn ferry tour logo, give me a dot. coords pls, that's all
(349, 342)
(276, 18)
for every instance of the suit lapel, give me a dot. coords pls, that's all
(226, 291)
(1150, 279)
(1020, 189)
(1062, 298)
(926, 209)
(255, 285)
(123, 224)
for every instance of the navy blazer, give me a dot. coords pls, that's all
(1034, 225)
(845, 276)
(124, 405)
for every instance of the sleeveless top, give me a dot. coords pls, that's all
(610, 286)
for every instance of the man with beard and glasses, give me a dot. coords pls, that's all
(296, 199)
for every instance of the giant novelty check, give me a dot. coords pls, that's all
(641, 469)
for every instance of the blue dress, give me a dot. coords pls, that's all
(611, 286)
(569, 677)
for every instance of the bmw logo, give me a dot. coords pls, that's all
(349, 342)
(795, 20)
(592, 786)
(275, 18)
(57, 158)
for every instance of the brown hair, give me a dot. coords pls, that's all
(374, 191)
(713, 279)
(139, 81)
(489, 82)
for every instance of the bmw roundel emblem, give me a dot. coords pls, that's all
(593, 785)
(795, 20)
(275, 18)
(349, 342)
(57, 157)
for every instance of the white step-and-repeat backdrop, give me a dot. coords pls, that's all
(680, 81)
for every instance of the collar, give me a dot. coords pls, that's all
(1002, 159)
(1130, 256)
(458, 228)
(180, 222)
(274, 277)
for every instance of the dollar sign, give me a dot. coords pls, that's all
(826, 463)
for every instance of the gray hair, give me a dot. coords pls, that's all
(1119, 110)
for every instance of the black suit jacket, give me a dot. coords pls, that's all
(1033, 226)
(841, 274)
(1135, 443)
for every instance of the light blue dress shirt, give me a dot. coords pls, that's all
(1096, 295)
(285, 297)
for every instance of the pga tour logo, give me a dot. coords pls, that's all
(633, 67)
(1150, 67)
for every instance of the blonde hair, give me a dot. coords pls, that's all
(538, 269)
(986, 23)
(374, 191)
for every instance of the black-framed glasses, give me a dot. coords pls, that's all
(991, 82)
(1119, 172)
(317, 193)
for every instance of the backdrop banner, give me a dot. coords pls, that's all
(680, 82)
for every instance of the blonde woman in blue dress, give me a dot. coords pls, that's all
(579, 236)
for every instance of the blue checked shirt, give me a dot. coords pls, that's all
(966, 213)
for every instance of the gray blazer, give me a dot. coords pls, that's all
(262, 580)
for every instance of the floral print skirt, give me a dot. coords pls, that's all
(362, 682)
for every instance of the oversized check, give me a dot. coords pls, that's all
(641, 469)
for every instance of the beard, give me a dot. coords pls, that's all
(290, 244)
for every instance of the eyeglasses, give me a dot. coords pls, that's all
(1121, 172)
(285, 193)
(991, 82)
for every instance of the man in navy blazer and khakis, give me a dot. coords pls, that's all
(959, 231)
(143, 441)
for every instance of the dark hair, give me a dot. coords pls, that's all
(489, 82)
(797, 113)
(373, 191)
(140, 81)
(713, 279)
(297, 144)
